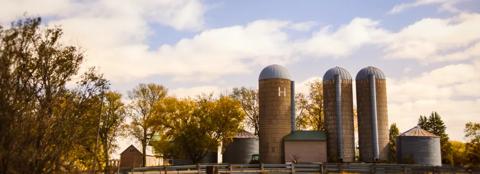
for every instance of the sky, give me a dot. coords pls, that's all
(428, 49)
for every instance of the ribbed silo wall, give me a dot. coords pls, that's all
(240, 150)
(330, 111)
(275, 110)
(419, 150)
(365, 121)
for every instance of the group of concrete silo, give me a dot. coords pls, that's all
(277, 114)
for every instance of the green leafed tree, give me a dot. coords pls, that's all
(435, 125)
(392, 143)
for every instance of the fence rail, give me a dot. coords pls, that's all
(301, 168)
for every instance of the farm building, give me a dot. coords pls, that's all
(305, 147)
(419, 146)
(241, 149)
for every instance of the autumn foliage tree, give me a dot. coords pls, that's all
(143, 100)
(45, 126)
(310, 114)
(472, 147)
(194, 127)
(248, 99)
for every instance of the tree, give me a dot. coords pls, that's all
(392, 144)
(35, 126)
(195, 127)
(310, 108)
(111, 118)
(459, 153)
(472, 132)
(248, 98)
(144, 97)
(435, 125)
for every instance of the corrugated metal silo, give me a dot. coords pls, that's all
(372, 114)
(419, 147)
(275, 105)
(338, 109)
(241, 149)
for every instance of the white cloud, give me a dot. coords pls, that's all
(304, 86)
(198, 90)
(437, 40)
(179, 14)
(228, 50)
(343, 41)
(451, 90)
(303, 26)
(444, 5)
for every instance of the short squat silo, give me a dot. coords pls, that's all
(241, 149)
(372, 114)
(419, 146)
(275, 105)
(338, 109)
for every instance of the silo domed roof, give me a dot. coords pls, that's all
(370, 70)
(332, 72)
(274, 72)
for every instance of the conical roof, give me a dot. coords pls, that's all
(274, 72)
(332, 72)
(417, 132)
(244, 134)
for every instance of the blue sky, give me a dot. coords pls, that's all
(429, 49)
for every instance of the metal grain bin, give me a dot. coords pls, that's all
(275, 106)
(241, 149)
(338, 109)
(372, 114)
(419, 146)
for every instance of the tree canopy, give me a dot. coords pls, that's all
(435, 125)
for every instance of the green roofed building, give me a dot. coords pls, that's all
(305, 147)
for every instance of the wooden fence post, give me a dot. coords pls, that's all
(322, 171)
(292, 168)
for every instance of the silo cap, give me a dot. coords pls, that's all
(417, 131)
(366, 72)
(274, 72)
(332, 72)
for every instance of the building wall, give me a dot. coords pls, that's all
(364, 111)
(274, 118)
(419, 150)
(305, 151)
(154, 161)
(131, 158)
(240, 151)
(330, 105)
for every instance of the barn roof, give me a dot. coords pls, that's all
(131, 147)
(306, 136)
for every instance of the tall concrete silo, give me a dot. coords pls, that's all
(241, 149)
(275, 91)
(372, 114)
(338, 109)
(419, 146)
